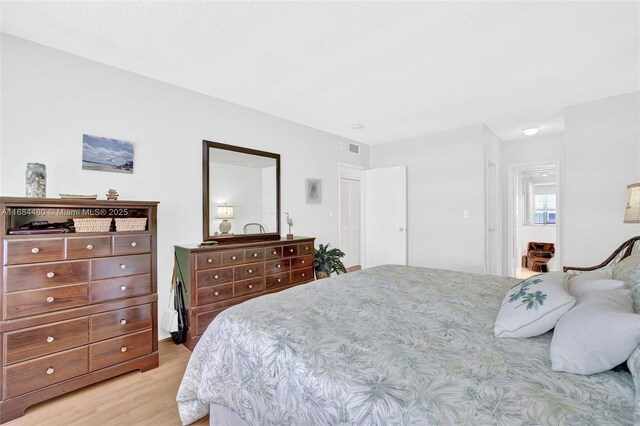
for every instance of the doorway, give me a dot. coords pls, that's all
(351, 216)
(534, 219)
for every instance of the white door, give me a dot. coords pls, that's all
(385, 211)
(350, 221)
(492, 255)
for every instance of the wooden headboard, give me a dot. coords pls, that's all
(627, 248)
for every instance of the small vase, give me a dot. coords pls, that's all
(36, 180)
(322, 274)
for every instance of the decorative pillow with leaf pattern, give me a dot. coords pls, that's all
(533, 306)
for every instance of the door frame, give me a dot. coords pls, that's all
(492, 188)
(353, 172)
(513, 169)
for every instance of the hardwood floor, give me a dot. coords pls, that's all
(131, 399)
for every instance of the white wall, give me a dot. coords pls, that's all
(445, 177)
(50, 98)
(602, 156)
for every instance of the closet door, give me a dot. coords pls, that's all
(350, 221)
(386, 216)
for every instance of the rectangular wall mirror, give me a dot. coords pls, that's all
(241, 193)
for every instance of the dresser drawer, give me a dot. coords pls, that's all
(305, 249)
(277, 266)
(33, 250)
(119, 349)
(301, 262)
(204, 319)
(208, 260)
(214, 294)
(122, 321)
(232, 257)
(273, 252)
(301, 275)
(254, 254)
(214, 277)
(278, 280)
(41, 372)
(288, 251)
(240, 288)
(250, 270)
(33, 302)
(119, 288)
(112, 267)
(33, 342)
(131, 244)
(46, 275)
(85, 247)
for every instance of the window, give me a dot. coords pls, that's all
(545, 209)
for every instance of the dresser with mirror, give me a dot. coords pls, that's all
(243, 254)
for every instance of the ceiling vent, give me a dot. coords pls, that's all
(354, 148)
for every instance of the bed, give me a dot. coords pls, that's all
(389, 345)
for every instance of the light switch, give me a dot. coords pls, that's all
(465, 214)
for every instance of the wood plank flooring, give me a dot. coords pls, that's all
(131, 399)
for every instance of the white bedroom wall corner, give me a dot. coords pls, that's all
(602, 157)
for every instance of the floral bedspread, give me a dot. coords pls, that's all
(389, 345)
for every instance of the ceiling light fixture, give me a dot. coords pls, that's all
(530, 131)
(357, 126)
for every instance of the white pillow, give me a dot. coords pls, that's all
(599, 333)
(590, 281)
(533, 306)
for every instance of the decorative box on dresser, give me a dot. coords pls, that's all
(77, 308)
(219, 276)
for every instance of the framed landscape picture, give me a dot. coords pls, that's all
(106, 155)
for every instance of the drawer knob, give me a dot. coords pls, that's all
(215, 293)
(279, 280)
(50, 339)
(302, 261)
(133, 244)
(89, 247)
(278, 266)
(233, 257)
(50, 370)
(35, 250)
(123, 348)
(216, 276)
(123, 321)
(306, 248)
(302, 274)
(123, 287)
(50, 299)
(123, 266)
(209, 260)
(250, 271)
(50, 275)
(290, 250)
(250, 286)
(274, 252)
(255, 254)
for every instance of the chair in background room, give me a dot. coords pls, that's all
(253, 228)
(538, 255)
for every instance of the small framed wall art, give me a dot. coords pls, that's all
(313, 191)
(106, 155)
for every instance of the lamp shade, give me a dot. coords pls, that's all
(225, 212)
(632, 212)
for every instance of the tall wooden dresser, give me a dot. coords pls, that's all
(219, 276)
(77, 308)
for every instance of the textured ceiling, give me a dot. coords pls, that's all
(400, 69)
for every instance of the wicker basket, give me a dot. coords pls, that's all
(131, 224)
(92, 224)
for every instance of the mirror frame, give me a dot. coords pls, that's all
(206, 214)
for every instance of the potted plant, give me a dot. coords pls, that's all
(327, 261)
